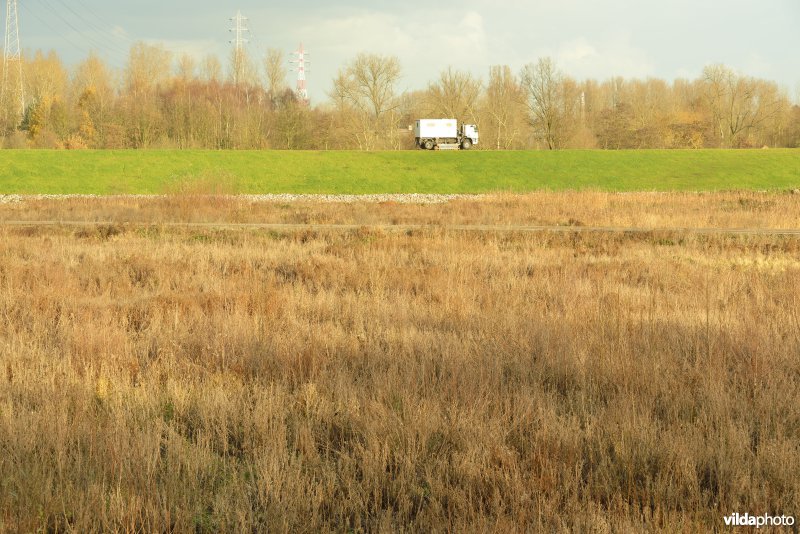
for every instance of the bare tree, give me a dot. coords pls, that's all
(211, 69)
(454, 95)
(46, 76)
(148, 67)
(275, 69)
(242, 70)
(186, 67)
(552, 100)
(739, 104)
(504, 105)
(364, 92)
(292, 122)
(649, 101)
(368, 83)
(793, 128)
(147, 70)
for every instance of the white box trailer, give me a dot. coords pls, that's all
(431, 134)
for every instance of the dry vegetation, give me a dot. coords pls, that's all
(191, 202)
(157, 379)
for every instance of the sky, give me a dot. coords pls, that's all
(598, 39)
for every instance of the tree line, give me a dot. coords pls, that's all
(158, 101)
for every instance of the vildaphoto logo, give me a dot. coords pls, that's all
(758, 521)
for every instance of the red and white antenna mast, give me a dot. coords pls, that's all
(300, 62)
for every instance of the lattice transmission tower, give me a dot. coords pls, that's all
(12, 61)
(299, 63)
(239, 40)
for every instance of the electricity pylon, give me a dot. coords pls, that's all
(12, 53)
(238, 43)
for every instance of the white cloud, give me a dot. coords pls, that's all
(119, 32)
(602, 59)
(685, 73)
(587, 38)
(426, 42)
(756, 65)
(197, 49)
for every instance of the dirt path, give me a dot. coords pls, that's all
(282, 227)
(277, 198)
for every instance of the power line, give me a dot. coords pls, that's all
(103, 39)
(83, 34)
(102, 22)
(79, 47)
(105, 23)
(91, 24)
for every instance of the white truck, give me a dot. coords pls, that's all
(442, 134)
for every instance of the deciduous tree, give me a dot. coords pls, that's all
(454, 95)
(552, 102)
(364, 92)
(275, 70)
(504, 106)
(738, 104)
(148, 69)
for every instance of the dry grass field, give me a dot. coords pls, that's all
(161, 379)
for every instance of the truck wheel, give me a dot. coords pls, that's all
(428, 144)
(466, 144)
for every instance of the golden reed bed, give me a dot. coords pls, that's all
(159, 379)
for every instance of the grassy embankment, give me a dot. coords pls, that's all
(186, 380)
(107, 172)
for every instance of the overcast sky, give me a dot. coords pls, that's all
(587, 38)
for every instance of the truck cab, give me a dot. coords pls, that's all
(469, 136)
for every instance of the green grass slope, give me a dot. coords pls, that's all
(109, 172)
